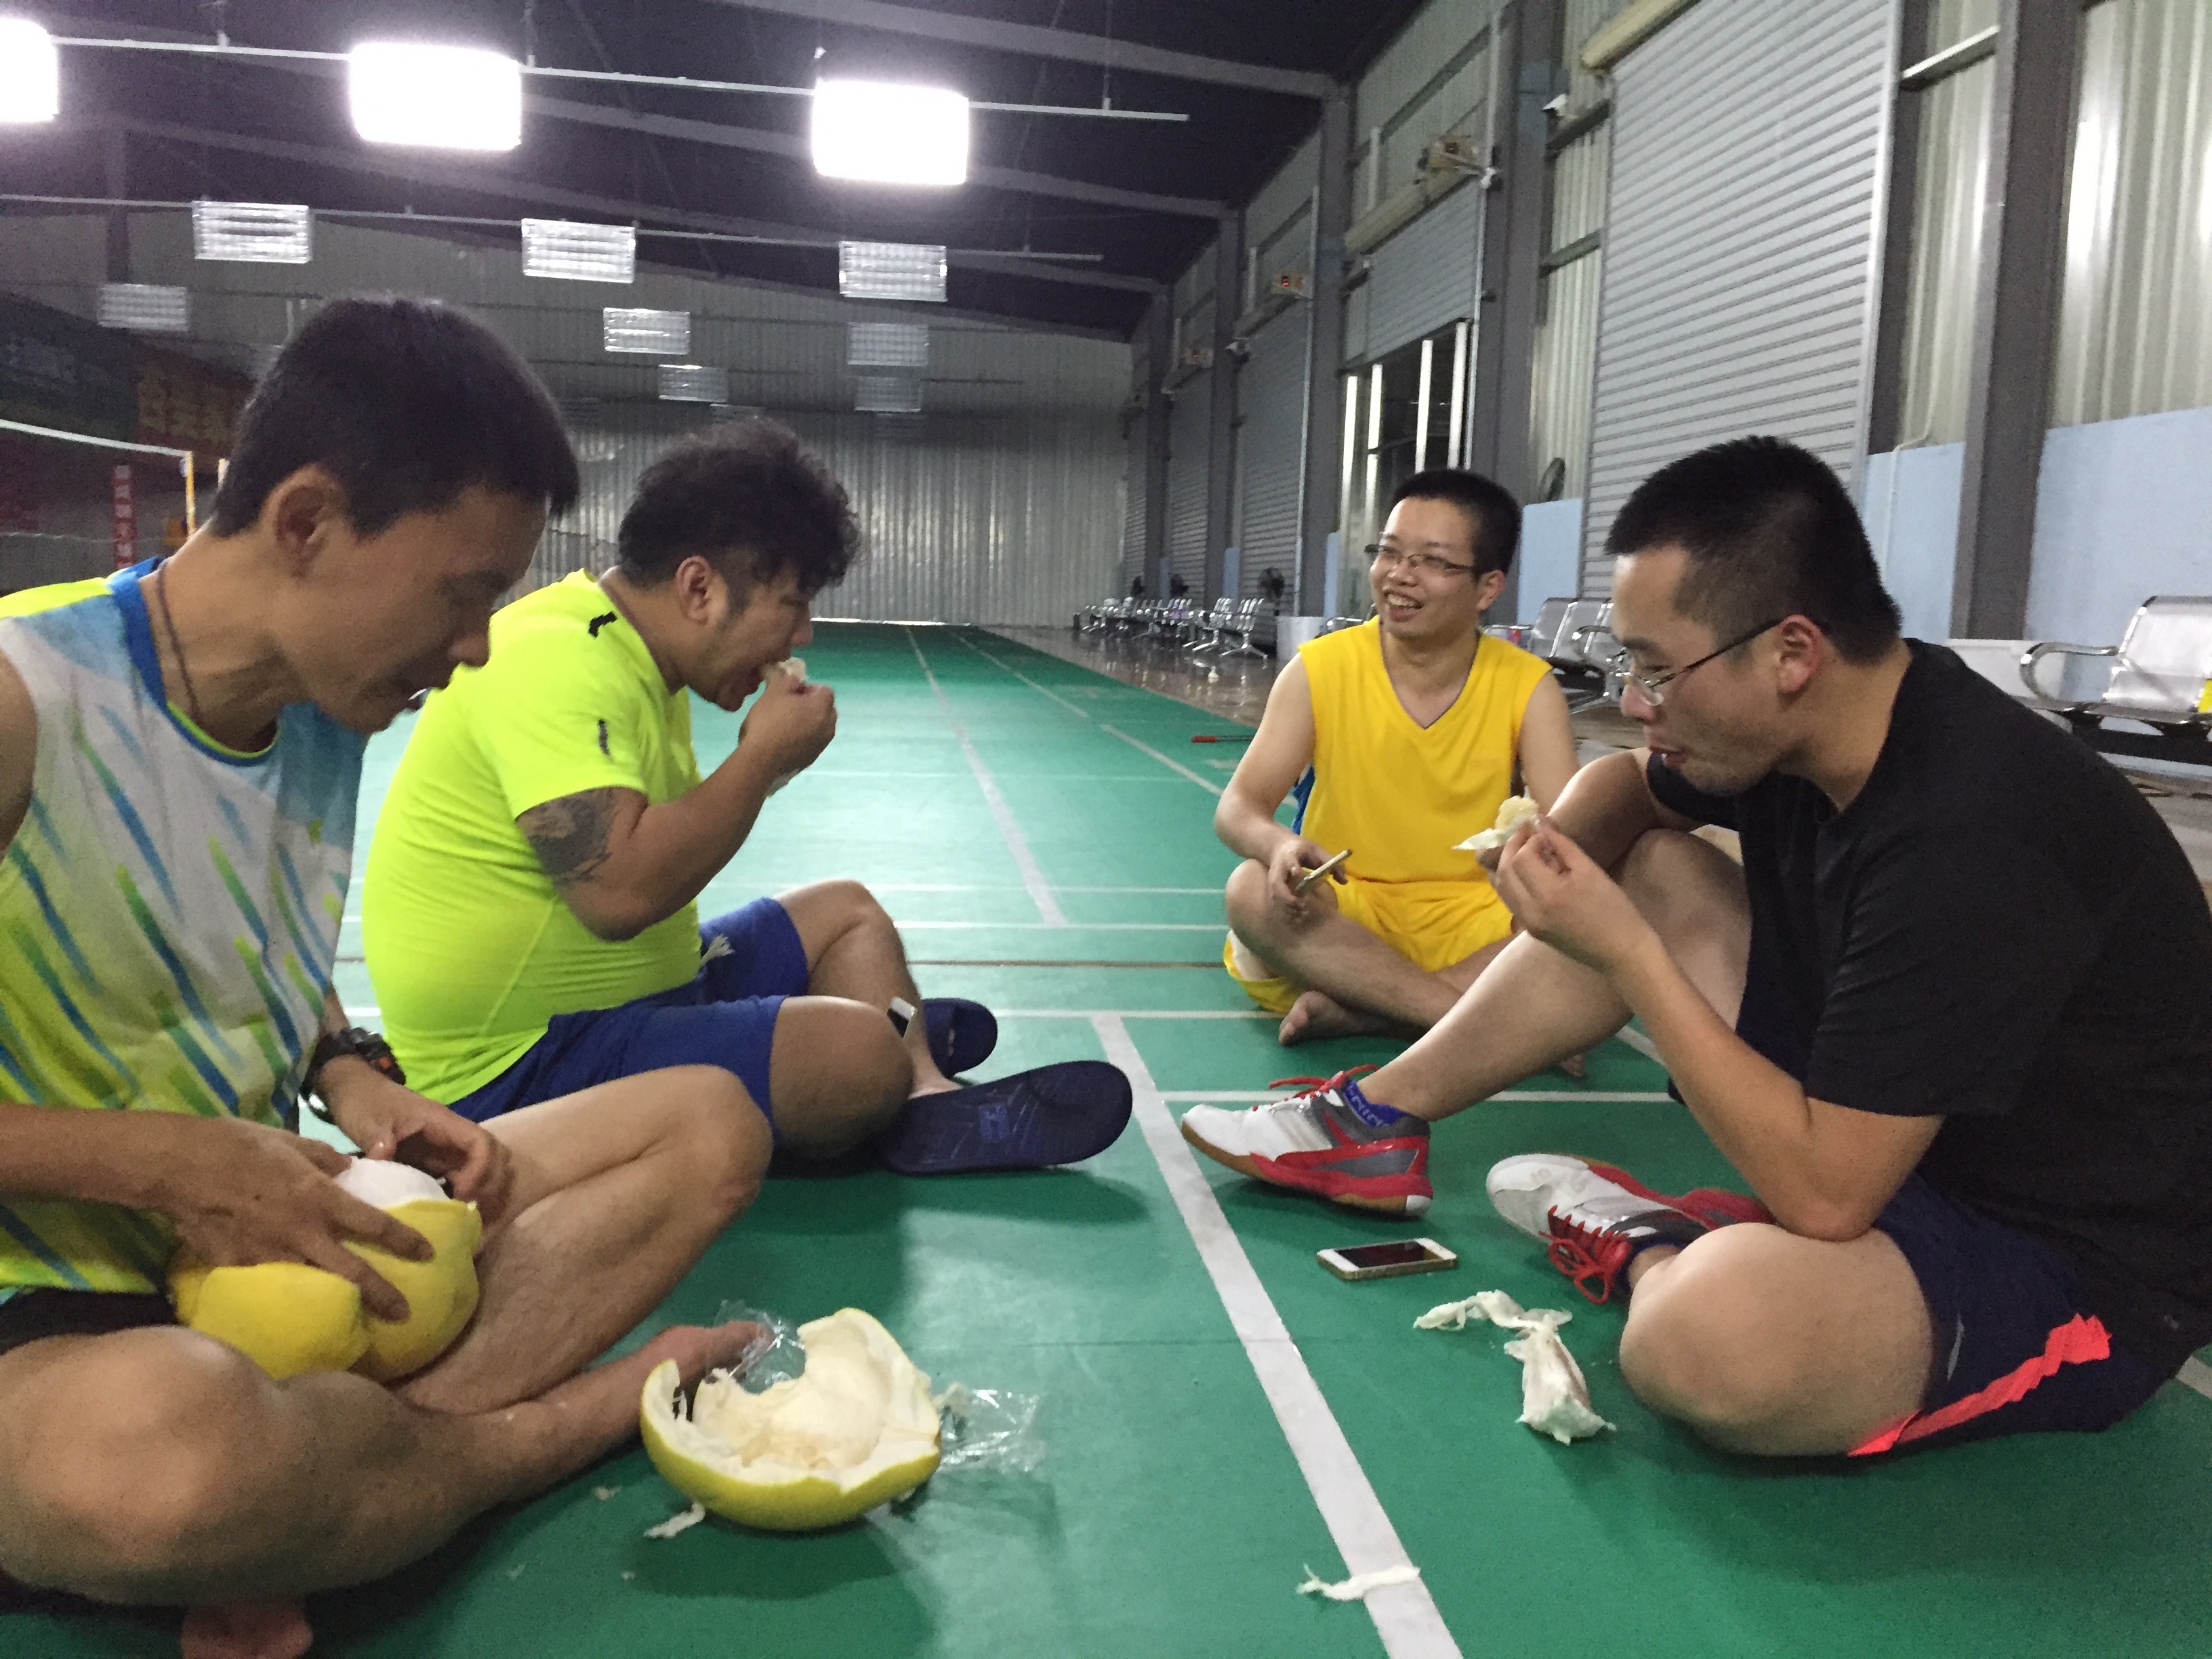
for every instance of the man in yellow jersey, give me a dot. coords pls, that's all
(1413, 723)
(530, 909)
(179, 757)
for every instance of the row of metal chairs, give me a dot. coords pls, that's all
(1575, 636)
(1227, 627)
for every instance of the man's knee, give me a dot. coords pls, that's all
(725, 1137)
(1701, 1346)
(830, 910)
(142, 1462)
(1685, 886)
(1245, 897)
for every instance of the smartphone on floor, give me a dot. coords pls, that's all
(1390, 1260)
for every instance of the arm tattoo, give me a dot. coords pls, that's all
(570, 834)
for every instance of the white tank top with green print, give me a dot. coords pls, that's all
(169, 916)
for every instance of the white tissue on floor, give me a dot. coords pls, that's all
(1354, 1588)
(1554, 1398)
(676, 1523)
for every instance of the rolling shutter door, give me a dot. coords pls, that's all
(1740, 241)
(1187, 455)
(1425, 276)
(1271, 401)
(1133, 504)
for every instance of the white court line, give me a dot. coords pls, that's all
(1176, 766)
(1405, 1615)
(1111, 732)
(1033, 878)
(1643, 1044)
(1133, 1013)
(2196, 1374)
(1065, 926)
(1622, 1096)
(1042, 691)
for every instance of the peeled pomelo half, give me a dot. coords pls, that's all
(855, 1430)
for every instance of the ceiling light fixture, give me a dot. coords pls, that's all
(579, 253)
(881, 133)
(253, 233)
(661, 333)
(887, 345)
(435, 97)
(145, 309)
(694, 383)
(890, 271)
(30, 74)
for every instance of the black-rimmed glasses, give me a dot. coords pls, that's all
(1653, 687)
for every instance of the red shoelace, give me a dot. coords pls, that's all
(1590, 1257)
(1307, 1085)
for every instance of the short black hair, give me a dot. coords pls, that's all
(747, 488)
(407, 403)
(1491, 512)
(1769, 533)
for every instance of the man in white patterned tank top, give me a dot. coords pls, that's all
(178, 761)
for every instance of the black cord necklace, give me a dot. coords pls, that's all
(177, 648)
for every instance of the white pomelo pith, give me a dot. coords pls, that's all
(856, 1430)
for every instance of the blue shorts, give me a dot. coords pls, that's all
(2015, 1351)
(725, 1016)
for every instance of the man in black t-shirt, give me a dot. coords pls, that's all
(1951, 1020)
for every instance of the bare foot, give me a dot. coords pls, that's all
(1576, 1067)
(246, 1630)
(1316, 1015)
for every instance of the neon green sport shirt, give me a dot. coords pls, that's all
(471, 951)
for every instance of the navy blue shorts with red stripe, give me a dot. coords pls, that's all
(2015, 1351)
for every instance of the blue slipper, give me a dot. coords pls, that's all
(962, 1034)
(1055, 1115)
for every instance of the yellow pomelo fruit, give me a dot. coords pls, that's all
(288, 1317)
(854, 1430)
(441, 1293)
(285, 1316)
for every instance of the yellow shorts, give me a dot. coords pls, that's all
(1433, 924)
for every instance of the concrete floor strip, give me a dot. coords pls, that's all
(1033, 878)
(1405, 1615)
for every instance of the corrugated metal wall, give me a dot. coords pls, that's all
(1951, 174)
(1426, 275)
(1431, 79)
(991, 519)
(1187, 423)
(1566, 318)
(1001, 507)
(2134, 329)
(1270, 394)
(1740, 249)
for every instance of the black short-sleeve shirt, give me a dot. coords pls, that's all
(2000, 931)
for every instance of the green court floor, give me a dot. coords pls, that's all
(1043, 835)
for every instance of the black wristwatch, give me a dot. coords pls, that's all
(363, 1045)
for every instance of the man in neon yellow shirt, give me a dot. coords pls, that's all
(529, 909)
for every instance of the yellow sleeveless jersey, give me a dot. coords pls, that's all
(1401, 795)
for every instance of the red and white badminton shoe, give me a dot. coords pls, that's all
(1593, 1218)
(1328, 1139)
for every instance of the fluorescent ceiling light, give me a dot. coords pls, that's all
(30, 73)
(435, 97)
(890, 271)
(887, 345)
(579, 253)
(889, 135)
(661, 333)
(253, 233)
(694, 383)
(888, 394)
(145, 307)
